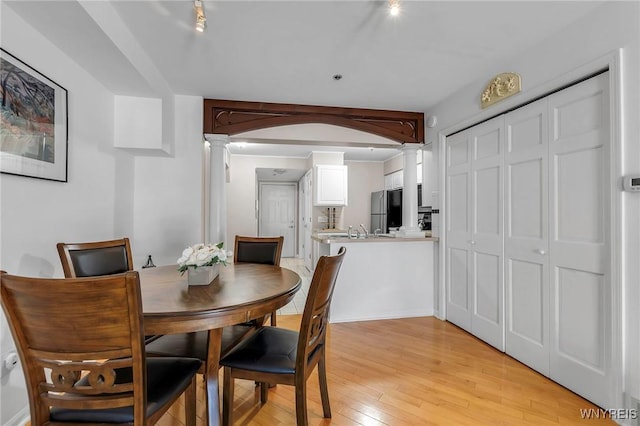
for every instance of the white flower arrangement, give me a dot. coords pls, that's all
(202, 255)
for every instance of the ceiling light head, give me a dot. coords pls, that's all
(394, 7)
(201, 19)
(201, 23)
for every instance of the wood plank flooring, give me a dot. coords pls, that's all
(416, 371)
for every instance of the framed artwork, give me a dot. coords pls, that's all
(33, 122)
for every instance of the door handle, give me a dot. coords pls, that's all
(472, 242)
(540, 251)
(291, 226)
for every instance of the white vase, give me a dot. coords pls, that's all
(202, 275)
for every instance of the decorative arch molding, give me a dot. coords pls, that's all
(233, 117)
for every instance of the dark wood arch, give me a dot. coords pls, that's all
(233, 117)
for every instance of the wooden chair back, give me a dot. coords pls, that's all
(267, 250)
(85, 349)
(95, 258)
(315, 317)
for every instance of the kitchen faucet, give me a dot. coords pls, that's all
(366, 233)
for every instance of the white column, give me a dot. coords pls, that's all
(216, 209)
(409, 226)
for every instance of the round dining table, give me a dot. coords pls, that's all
(241, 292)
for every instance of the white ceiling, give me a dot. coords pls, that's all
(288, 51)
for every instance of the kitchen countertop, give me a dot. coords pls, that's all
(333, 239)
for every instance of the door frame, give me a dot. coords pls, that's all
(613, 62)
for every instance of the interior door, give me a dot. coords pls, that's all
(526, 236)
(458, 251)
(277, 214)
(486, 257)
(580, 239)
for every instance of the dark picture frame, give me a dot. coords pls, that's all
(33, 122)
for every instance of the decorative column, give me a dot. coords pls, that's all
(409, 226)
(215, 210)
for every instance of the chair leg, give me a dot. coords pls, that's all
(301, 403)
(190, 403)
(324, 390)
(227, 397)
(264, 392)
(273, 319)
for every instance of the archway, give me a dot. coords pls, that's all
(233, 117)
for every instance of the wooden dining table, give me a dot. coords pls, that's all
(242, 292)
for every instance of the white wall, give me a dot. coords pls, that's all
(168, 191)
(554, 62)
(36, 214)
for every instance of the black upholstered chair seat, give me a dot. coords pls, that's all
(162, 376)
(195, 344)
(269, 350)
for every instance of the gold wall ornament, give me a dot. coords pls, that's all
(502, 86)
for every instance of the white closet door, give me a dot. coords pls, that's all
(486, 259)
(580, 244)
(526, 236)
(458, 187)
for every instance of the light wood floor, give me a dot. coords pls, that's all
(418, 371)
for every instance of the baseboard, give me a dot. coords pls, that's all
(21, 418)
(398, 315)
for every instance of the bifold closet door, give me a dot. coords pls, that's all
(526, 236)
(486, 258)
(475, 296)
(580, 221)
(458, 223)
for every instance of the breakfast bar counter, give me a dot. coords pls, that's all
(381, 278)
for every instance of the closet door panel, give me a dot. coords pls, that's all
(579, 217)
(487, 285)
(458, 215)
(526, 236)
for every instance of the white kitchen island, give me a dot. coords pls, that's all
(382, 278)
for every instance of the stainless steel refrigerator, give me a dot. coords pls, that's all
(379, 211)
(386, 210)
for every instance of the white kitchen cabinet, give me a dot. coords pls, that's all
(394, 180)
(398, 179)
(330, 185)
(388, 181)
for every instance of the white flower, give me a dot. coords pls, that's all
(201, 255)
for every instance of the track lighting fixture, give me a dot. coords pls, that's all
(394, 7)
(201, 20)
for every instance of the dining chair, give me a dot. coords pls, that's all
(266, 250)
(97, 258)
(88, 366)
(277, 355)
